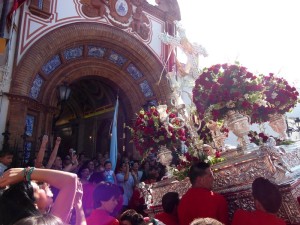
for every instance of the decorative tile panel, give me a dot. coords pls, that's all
(146, 89)
(29, 125)
(95, 51)
(117, 59)
(36, 87)
(51, 65)
(73, 53)
(27, 151)
(134, 72)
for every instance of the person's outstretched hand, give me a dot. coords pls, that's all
(11, 176)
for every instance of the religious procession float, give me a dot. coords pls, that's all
(205, 105)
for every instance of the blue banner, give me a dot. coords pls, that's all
(114, 138)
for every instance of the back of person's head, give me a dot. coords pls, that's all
(97, 177)
(267, 194)
(44, 219)
(17, 202)
(169, 201)
(104, 191)
(205, 221)
(197, 170)
(132, 217)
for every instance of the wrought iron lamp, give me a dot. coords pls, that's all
(63, 94)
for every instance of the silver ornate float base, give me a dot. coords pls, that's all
(233, 179)
(278, 124)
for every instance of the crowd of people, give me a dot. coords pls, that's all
(81, 191)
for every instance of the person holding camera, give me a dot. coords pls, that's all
(127, 182)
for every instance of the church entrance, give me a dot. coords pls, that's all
(98, 62)
(86, 117)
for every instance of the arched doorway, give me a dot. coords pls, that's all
(82, 53)
(86, 118)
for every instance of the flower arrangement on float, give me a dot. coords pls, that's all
(280, 98)
(223, 88)
(193, 156)
(261, 138)
(161, 127)
(151, 130)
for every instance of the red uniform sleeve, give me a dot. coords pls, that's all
(237, 218)
(223, 215)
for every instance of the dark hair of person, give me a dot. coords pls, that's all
(106, 162)
(197, 170)
(44, 219)
(104, 191)
(4, 153)
(133, 217)
(267, 194)
(169, 201)
(17, 202)
(83, 167)
(96, 177)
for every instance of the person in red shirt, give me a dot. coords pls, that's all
(105, 197)
(170, 203)
(267, 201)
(200, 201)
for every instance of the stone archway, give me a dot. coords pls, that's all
(73, 36)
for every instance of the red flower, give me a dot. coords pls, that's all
(149, 133)
(221, 88)
(280, 98)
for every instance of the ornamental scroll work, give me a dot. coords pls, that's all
(237, 174)
(123, 14)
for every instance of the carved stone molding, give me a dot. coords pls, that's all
(120, 13)
(40, 8)
(31, 103)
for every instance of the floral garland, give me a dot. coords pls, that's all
(221, 88)
(191, 157)
(280, 98)
(149, 132)
(261, 138)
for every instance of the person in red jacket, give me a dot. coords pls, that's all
(267, 201)
(200, 201)
(170, 203)
(105, 197)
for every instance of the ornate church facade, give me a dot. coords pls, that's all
(96, 50)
